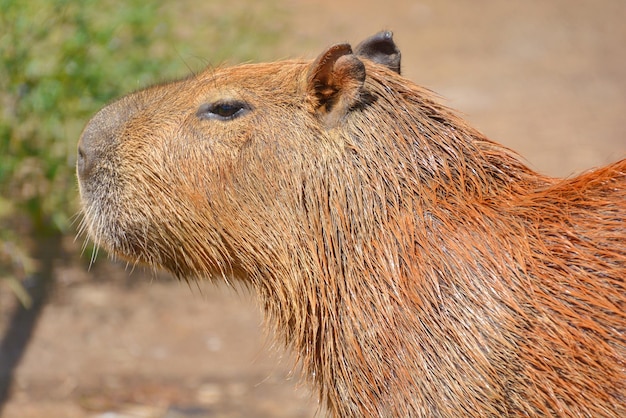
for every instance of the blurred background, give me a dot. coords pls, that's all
(82, 336)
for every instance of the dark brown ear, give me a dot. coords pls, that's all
(335, 80)
(382, 49)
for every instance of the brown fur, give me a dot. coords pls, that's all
(415, 267)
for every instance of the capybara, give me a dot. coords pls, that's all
(416, 267)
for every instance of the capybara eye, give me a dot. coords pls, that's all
(223, 110)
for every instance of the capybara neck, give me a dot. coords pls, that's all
(415, 267)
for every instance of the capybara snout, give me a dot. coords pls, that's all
(416, 267)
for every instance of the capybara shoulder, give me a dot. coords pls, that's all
(416, 267)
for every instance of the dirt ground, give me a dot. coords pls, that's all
(547, 79)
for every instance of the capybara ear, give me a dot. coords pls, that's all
(334, 81)
(382, 49)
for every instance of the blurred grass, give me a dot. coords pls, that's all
(61, 60)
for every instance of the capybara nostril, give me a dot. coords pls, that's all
(91, 140)
(85, 158)
(101, 135)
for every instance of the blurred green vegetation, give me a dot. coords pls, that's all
(61, 60)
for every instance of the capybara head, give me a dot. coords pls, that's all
(416, 267)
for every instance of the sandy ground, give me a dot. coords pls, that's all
(547, 79)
